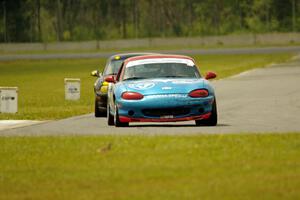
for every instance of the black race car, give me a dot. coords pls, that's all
(112, 67)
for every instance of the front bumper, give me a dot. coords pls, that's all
(165, 108)
(131, 119)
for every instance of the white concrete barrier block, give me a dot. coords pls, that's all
(72, 89)
(8, 99)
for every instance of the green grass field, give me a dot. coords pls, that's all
(41, 83)
(244, 166)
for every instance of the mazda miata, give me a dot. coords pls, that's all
(160, 88)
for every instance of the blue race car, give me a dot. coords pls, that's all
(160, 88)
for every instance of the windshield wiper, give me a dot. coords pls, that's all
(134, 78)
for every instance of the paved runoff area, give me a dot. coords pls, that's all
(258, 101)
(10, 124)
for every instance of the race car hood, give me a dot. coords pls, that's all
(164, 86)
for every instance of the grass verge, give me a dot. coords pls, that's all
(224, 167)
(41, 82)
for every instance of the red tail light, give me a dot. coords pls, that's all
(132, 96)
(198, 93)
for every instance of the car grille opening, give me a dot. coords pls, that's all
(130, 112)
(201, 110)
(166, 111)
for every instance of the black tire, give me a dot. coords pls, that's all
(212, 120)
(110, 117)
(117, 121)
(99, 113)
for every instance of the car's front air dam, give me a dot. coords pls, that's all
(131, 119)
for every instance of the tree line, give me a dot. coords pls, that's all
(78, 20)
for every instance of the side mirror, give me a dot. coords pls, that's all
(110, 79)
(210, 75)
(96, 73)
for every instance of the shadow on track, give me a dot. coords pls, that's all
(172, 125)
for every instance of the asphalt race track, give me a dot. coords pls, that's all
(222, 51)
(261, 100)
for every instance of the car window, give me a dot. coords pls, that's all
(113, 67)
(158, 70)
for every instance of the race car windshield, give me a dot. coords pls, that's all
(161, 70)
(113, 67)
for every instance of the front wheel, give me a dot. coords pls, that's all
(110, 117)
(98, 113)
(212, 120)
(117, 121)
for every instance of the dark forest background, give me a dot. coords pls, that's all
(77, 20)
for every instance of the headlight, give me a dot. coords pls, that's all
(104, 87)
(199, 93)
(132, 96)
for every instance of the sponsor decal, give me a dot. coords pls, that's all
(167, 117)
(188, 62)
(6, 98)
(184, 81)
(73, 90)
(141, 86)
